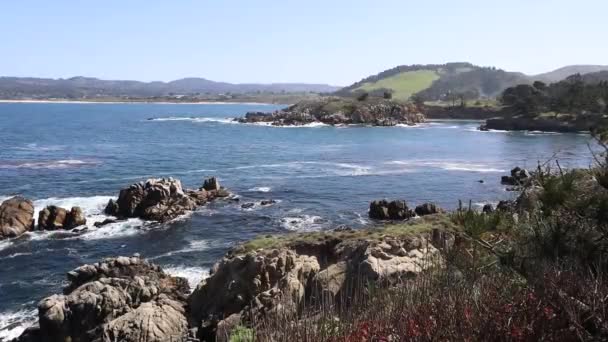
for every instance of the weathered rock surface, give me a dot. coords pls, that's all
(118, 299)
(16, 217)
(54, 218)
(428, 209)
(518, 176)
(341, 111)
(393, 210)
(162, 199)
(265, 282)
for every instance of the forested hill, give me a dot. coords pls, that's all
(88, 87)
(435, 81)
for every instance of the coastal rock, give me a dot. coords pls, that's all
(162, 199)
(16, 217)
(488, 208)
(118, 299)
(428, 209)
(393, 210)
(518, 176)
(54, 218)
(341, 111)
(271, 281)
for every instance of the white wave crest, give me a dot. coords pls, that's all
(447, 165)
(13, 323)
(53, 164)
(194, 275)
(37, 148)
(193, 246)
(261, 189)
(195, 119)
(302, 223)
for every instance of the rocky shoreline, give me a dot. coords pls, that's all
(130, 299)
(561, 124)
(159, 200)
(340, 111)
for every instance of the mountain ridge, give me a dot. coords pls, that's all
(83, 87)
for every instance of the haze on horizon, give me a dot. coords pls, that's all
(283, 41)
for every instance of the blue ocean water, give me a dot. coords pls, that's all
(321, 177)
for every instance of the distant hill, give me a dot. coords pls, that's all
(88, 87)
(437, 81)
(561, 73)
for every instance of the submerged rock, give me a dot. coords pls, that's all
(16, 217)
(118, 299)
(162, 199)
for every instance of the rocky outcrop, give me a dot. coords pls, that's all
(393, 210)
(428, 209)
(162, 199)
(118, 299)
(462, 113)
(341, 111)
(277, 280)
(518, 176)
(16, 217)
(544, 123)
(54, 218)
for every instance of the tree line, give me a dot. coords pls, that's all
(576, 94)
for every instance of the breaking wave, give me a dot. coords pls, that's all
(13, 323)
(194, 275)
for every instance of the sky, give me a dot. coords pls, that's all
(315, 41)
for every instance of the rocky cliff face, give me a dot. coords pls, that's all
(247, 286)
(341, 111)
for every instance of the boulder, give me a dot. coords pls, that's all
(267, 202)
(394, 210)
(518, 176)
(428, 209)
(211, 184)
(16, 217)
(118, 299)
(54, 218)
(161, 199)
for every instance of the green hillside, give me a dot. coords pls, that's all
(438, 82)
(404, 84)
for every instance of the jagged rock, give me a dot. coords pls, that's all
(16, 217)
(394, 210)
(54, 218)
(118, 299)
(161, 199)
(211, 184)
(428, 209)
(248, 205)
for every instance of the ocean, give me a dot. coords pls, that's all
(321, 177)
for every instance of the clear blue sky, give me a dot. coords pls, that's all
(323, 41)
